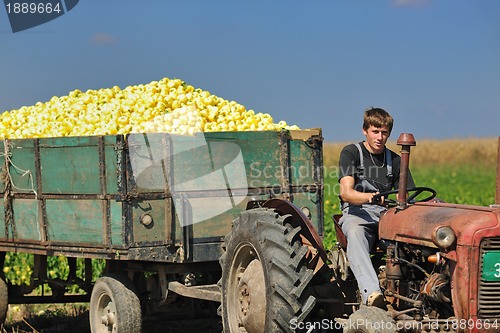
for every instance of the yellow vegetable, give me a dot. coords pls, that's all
(168, 105)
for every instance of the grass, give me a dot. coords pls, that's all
(462, 184)
(45, 318)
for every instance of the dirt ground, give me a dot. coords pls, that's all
(75, 319)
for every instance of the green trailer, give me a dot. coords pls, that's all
(212, 216)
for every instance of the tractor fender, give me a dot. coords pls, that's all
(317, 255)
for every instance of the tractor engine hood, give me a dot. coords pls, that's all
(417, 224)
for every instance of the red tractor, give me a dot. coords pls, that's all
(438, 264)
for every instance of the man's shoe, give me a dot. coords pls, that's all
(376, 299)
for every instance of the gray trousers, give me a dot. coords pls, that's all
(360, 226)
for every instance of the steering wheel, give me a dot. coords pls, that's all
(415, 191)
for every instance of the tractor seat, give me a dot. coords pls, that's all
(338, 231)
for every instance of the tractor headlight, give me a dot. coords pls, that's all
(444, 237)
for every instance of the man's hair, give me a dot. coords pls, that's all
(377, 117)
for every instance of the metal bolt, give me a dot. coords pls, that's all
(146, 219)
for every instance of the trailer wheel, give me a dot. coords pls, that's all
(370, 319)
(264, 277)
(114, 306)
(4, 300)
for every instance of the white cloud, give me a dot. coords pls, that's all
(102, 38)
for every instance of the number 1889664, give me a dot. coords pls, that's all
(33, 7)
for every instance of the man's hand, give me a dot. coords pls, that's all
(353, 197)
(372, 198)
(378, 200)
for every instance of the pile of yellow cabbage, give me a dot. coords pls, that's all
(168, 105)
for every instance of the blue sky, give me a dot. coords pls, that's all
(434, 65)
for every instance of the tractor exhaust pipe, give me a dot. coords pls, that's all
(406, 141)
(497, 196)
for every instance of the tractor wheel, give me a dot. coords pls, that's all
(4, 301)
(114, 306)
(264, 277)
(370, 319)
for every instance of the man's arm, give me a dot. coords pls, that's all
(350, 195)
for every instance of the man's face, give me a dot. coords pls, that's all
(376, 137)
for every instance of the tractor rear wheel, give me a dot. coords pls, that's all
(264, 275)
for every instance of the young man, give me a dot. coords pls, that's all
(366, 169)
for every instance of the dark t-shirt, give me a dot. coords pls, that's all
(375, 168)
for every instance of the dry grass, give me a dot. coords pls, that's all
(471, 151)
(47, 318)
(62, 318)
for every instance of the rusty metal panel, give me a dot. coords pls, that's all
(22, 171)
(74, 221)
(306, 177)
(116, 224)
(310, 201)
(302, 167)
(219, 226)
(25, 224)
(70, 165)
(110, 163)
(262, 157)
(149, 162)
(147, 230)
